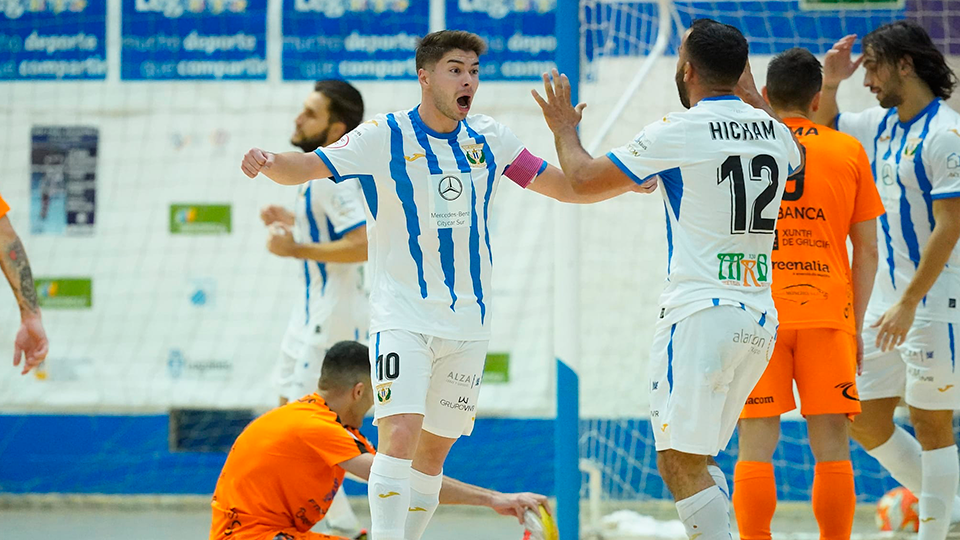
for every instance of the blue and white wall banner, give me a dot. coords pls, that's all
(352, 39)
(194, 40)
(53, 40)
(520, 35)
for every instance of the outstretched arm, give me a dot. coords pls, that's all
(31, 340)
(554, 183)
(584, 175)
(287, 168)
(457, 492)
(838, 66)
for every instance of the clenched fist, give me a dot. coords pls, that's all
(255, 160)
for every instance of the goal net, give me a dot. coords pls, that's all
(623, 240)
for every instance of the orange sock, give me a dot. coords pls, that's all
(754, 499)
(834, 499)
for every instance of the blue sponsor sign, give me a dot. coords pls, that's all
(521, 44)
(352, 39)
(194, 40)
(63, 39)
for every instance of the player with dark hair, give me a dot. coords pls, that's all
(722, 165)
(820, 303)
(287, 466)
(913, 141)
(429, 175)
(30, 346)
(326, 231)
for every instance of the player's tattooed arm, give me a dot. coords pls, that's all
(287, 168)
(16, 268)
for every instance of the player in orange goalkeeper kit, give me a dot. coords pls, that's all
(821, 304)
(285, 468)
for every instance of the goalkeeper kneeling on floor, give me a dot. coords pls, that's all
(285, 468)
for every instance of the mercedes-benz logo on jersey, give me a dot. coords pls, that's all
(450, 188)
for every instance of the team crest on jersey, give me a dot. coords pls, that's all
(912, 144)
(475, 155)
(383, 393)
(744, 270)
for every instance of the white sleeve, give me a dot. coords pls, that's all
(655, 149)
(941, 158)
(355, 153)
(863, 125)
(522, 166)
(342, 205)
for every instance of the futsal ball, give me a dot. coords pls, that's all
(898, 510)
(539, 525)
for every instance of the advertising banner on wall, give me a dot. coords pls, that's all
(352, 39)
(53, 40)
(194, 40)
(520, 35)
(63, 179)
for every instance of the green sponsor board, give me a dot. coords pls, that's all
(852, 4)
(497, 368)
(200, 219)
(64, 293)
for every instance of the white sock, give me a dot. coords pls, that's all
(340, 515)
(389, 495)
(705, 516)
(424, 500)
(900, 456)
(721, 480)
(941, 475)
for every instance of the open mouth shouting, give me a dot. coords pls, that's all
(463, 103)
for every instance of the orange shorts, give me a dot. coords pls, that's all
(823, 361)
(234, 526)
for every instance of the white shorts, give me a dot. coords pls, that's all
(923, 370)
(703, 369)
(419, 374)
(304, 348)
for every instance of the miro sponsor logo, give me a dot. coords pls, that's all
(175, 8)
(742, 269)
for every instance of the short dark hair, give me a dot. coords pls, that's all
(717, 51)
(345, 103)
(900, 39)
(433, 46)
(793, 79)
(346, 364)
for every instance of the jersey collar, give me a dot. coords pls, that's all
(426, 129)
(923, 112)
(726, 97)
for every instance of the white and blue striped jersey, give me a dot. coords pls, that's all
(428, 195)
(722, 166)
(914, 164)
(333, 304)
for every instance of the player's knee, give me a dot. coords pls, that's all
(758, 438)
(934, 429)
(678, 466)
(871, 428)
(829, 437)
(399, 435)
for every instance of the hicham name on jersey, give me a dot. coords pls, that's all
(747, 131)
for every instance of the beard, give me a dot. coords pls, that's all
(312, 143)
(682, 89)
(892, 94)
(445, 109)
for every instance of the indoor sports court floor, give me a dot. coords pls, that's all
(49, 523)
